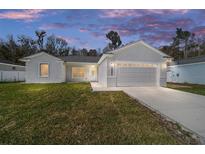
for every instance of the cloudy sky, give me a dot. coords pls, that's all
(87, 28)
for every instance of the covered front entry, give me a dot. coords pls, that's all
(80, 72)
(136, 75)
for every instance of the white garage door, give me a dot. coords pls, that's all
(136, 76)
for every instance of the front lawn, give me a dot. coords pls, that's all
(73, 114)
(192, 88)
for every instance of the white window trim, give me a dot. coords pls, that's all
(114, 70)
(137, 65)
(40, 70)
(78, 77)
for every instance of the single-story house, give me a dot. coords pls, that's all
(10, 71)
(135, 64)
(191, 70)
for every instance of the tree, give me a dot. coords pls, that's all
(181, 41)
(62, 45)
(57, 45)
(83, 52)
(40, 34)
(12, 49)
(201, 45)
(66, 52)
(186, 35)
(92, 52)
(193, 46)
(115, 39)
(27, 45)
(74, 51)
(50, 45)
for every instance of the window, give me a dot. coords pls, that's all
(44, 70)
(78, 72)
(143, 65)
(112, 69)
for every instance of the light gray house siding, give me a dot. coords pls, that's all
(60, 69)
(10, 67)
(144, 66)
(187, 73)
(136, 64)
(139, 53)
(56, 69)
(102, 73)
(163, 74)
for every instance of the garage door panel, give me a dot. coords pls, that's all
(136, 76)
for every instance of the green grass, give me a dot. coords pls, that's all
(73, 114)
(192, 88)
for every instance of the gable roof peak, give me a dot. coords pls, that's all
(136, 43)
(36, 55)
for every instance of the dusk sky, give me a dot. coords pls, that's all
(87, 28)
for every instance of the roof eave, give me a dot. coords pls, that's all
(104, 56)
(24, 59)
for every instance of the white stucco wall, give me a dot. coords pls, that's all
(138, 53)
(56, 70)
(163, 74)
(190, 73)
(102, 73)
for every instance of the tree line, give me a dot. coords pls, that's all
(13, 49)
(185, 44)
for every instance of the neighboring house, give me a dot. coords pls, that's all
(11, 72)
(191, 70)
(135, 64)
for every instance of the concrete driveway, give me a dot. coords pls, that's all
(185, 108)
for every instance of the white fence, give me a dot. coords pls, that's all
(9, 76)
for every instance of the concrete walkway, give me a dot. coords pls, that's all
(98, 87)
(185, 108)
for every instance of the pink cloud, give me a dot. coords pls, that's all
(53, 26)
(118, 13)
(83, 30)
(97, 34)
(75, 41)
(168, 11)
(68, 39)
(27, 15)
(199, 30)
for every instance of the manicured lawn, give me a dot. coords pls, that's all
(192, 88)
(73, 114)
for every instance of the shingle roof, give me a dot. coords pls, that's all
(5, 61)
(139, 42)
(191, 60)
(8, 62)
(86, 59)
